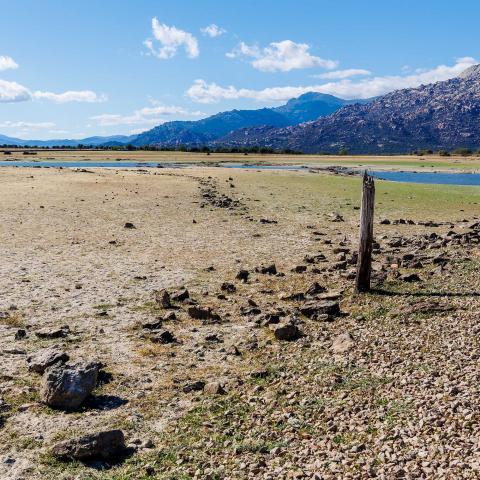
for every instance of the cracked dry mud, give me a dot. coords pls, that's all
(387, 387)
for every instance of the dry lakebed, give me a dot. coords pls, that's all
(200, 323)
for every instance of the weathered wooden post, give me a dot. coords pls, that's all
(364, 262)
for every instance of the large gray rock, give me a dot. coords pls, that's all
(286, 330)
(315, 309)
(101, 445)
(67, 386)
(39, 361)
(49, 333)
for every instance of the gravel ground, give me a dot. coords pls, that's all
(385, 388)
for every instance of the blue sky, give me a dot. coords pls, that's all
(76, 68)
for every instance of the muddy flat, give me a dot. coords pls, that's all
(383, 384)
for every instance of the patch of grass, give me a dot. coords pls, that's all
(396, 411)
(152, 350)
(148, 306)
(14, 319)
(103, 306)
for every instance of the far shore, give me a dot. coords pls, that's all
(454, 163)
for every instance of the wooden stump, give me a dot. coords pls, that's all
(364, 263)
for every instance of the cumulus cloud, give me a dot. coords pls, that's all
(341, 74)
(281, 56)
(145, 116)
(12, 92)
(203, 92)
(27, 125)
(84, 96)
(170, 39)
(7, 63)
(213, 31)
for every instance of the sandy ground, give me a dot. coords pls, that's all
(66, 258)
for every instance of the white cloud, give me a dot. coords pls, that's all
(58, 132)
(85, 96)
(213, 31)
(145, 116)
(12, 92)
(7, 63)
(281, 56)
(203, 92)
(137, 131)
(27, 125)
(342, 74)
(170, 40)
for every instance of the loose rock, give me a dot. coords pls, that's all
(106, 445)
(67, 386)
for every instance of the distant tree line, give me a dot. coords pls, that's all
(466, 152)
(178, 148)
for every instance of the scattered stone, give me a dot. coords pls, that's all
(20, 334)
(342, 265)
(336, 217)
(162, 297)
(267, 269)
(163, 337)
(106, 445)
(67, 386)
(181, 295)
(194, 387)
(266, 221)
(299, 269)
(314, 258)
(14, 351)
(51, 333)
(314, 289)
(45, 358)
(427, 306)
(233, 350)
(271, 318)
(214, 388)
(201, 313)
(129, 225)
(410, 277)
(342, 343)
(169, 317)
(153, 324)
(314, 309)
(286, 330)
(243, 275)
(249, 310)
(228, 287)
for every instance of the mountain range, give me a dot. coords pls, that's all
(440, 116)
(93, 141)
(309, 106)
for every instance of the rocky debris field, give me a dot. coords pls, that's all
(202, 325)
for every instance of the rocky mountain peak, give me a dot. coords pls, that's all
(471, 73)
(440, 116)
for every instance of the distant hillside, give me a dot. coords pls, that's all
(443, 115)
(93, 141)
(309, 106)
